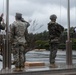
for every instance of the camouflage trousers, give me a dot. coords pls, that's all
(18, 55)
(53, 52)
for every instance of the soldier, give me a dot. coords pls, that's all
(18, 35)
(55, 31)
(2, 25)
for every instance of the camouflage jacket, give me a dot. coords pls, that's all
(55, 30)
(18, 31)
(2, 25)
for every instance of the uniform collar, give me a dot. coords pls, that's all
(53, 22)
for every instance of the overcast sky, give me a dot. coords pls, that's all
(40, 11)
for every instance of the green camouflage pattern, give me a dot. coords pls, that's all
(55, 31)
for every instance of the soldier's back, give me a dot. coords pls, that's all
(55, 29)
(20, 28)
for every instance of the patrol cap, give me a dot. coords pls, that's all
(52, 17)
(18, 15)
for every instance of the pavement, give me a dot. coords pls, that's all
(33, 56)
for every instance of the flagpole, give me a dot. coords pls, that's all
(8, 52)
(68, 42)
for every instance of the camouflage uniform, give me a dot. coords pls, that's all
(55, 31)
(2, 25)
(18, 31)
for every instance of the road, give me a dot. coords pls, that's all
(44, 56)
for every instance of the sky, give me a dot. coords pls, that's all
(37, 12)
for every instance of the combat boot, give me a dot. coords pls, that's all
(53, 65)
(17, 69)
